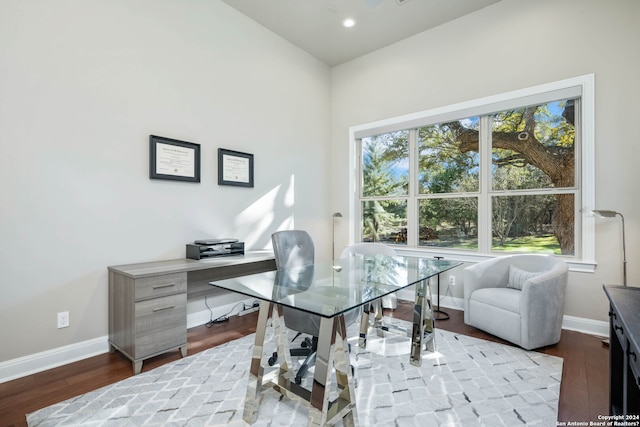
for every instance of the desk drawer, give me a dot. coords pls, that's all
(157, 286)
(160, 324)
(618, 329)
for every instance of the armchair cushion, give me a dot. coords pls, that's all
(517, 277)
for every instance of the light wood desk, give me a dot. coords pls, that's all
(148, 301)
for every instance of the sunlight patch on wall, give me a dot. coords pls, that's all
(271, 212)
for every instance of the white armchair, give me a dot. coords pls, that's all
(519, 298)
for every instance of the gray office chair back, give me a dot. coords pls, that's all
(294, 248)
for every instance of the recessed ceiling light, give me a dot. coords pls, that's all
(349, 22)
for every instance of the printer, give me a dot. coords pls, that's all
(209, 248)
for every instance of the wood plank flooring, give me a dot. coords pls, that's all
(583, 394)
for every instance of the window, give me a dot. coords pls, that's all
(498, 175)
(385, 187)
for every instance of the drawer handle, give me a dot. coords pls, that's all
(164, 286)
(163, 308)
(616, 327)
(612, 314)
(632, 353)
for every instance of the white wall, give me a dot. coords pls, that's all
(82, 85)
(515, 44)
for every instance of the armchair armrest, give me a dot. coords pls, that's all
(542, 305)
(487, 274)
(493, 273)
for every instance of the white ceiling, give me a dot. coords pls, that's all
(316, 25)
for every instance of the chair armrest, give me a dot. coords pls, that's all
(542, 302)
(487, 274)
(549, 285)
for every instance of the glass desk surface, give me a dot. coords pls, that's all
(332, 288)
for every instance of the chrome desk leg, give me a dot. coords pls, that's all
(375, 308)
(332, 354)
(423, 323)
(377, 320)
(256, 369)
(364, 326)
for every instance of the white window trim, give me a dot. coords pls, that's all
(585, 83)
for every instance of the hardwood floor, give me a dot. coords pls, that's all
(583, 394)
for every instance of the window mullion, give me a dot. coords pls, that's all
(412, 204)
(358, 190)
(484, 199)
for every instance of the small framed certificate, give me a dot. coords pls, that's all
(235, 168)
(173, 159)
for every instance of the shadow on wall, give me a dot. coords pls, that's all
(271, 212)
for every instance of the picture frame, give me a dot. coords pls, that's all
(235, 168)
(173, 160)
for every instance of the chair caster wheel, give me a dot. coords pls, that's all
(298, 380)
(273, 359)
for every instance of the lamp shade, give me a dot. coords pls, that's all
(605, 213)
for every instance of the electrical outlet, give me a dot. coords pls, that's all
(63, 319)
(452, 281)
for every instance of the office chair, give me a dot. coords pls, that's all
(294, 248)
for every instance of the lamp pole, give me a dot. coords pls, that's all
(624, 254)
(613, 214)
(333, 234)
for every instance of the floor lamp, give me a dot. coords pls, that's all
(333, 234)
(613, 214)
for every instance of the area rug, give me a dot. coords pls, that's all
(466, 382)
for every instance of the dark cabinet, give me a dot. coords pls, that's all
(624, 354)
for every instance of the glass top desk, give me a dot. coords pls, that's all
(329, 290)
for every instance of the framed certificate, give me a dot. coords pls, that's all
(235, 168)
(173, 159)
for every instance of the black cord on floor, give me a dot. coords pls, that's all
(225, 317)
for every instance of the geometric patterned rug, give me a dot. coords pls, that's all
(466, 382)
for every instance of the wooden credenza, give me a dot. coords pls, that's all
(148, 301)
(624, 352)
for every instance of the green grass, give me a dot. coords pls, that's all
(544, 243)
(540, 244)
(532, 244)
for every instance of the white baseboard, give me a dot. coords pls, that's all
(38, 362)
(598, 328)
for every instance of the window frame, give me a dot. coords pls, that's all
(581, 86)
